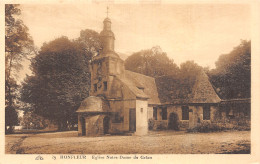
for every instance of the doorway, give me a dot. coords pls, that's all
(106, 122)
(83, 123)
(173, 121)
(132, 120)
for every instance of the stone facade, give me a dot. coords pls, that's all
(175, 120)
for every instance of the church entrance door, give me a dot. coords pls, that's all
(106, 121)
(83, 123)
(173, 121)
(132, 120)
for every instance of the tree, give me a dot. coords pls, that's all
(18, 46)
(152, 62)
(189, 69)
(232, 75)
(89, 41)
(60, 80)
(30, 120)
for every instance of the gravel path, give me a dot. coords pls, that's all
(165, 142)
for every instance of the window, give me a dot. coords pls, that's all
(142, 110)
(105, 85)
(155, 113)
(206, 112)
(95, 87)
(185, 112)
(141, 88)
(164, 113)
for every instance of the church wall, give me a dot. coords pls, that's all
(195, 117)
(94, 125)
(117, 116)
(141, 117)
(116, 66)
(183, 124)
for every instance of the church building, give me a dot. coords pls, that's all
(122, 101)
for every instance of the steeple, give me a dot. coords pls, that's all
(107, 36)
(107, 64)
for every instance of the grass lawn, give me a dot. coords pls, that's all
(163, 142)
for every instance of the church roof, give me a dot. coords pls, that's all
(102, 55)
(196, 89)
(107, 19)
(93, 104)
(142, 86)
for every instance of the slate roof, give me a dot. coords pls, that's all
(93, 104)
(142, 86)
(195, 89)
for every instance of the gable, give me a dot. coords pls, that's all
(135, 85)
(203, 92)
(146, 84)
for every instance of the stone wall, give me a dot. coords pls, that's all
(234, 115)
(195, 117)
(93, 125)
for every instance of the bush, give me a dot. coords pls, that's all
(216, 127)
(157, 124)
(161, 125)
(151, 124)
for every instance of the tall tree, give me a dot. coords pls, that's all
(152, 62)
(189, 69)
(232, 75)
(89, 41)
(61, 79)
(18, 46)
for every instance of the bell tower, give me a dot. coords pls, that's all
(107, 37)
(107, 64)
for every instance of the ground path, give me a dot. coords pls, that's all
(164, 142)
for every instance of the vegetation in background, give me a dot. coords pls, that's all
(61, 78)
(151, 62)
(232, 76)
(18, 46)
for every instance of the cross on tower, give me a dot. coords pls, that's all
(107, 11)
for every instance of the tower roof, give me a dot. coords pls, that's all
(108, 33)
(107, 20)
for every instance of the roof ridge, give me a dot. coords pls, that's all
(140, 74)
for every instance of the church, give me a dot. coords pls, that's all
(126, 102)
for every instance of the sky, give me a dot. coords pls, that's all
(199, 32)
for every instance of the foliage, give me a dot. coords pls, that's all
(18, 46)
(61, 78)
(89, 41)
(150, 124)
(157, 124)
(206, 127)
(232, 76)
(11, 118)
(30, 120)
(152, 62)
(189, 69)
